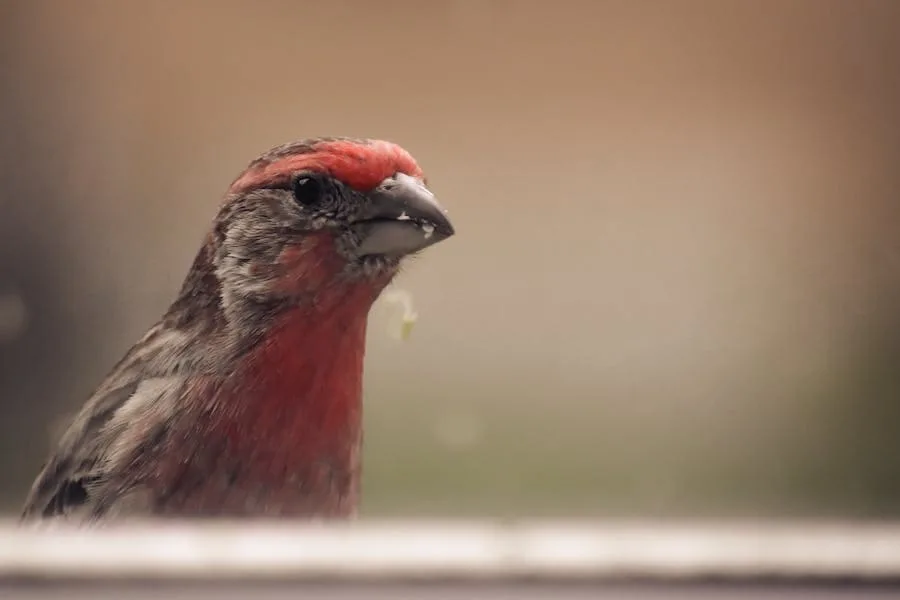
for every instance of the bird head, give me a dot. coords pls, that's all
(318, 215)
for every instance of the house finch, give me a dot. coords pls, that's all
(245, 398)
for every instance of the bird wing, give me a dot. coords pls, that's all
(73, 479)
(65, 480)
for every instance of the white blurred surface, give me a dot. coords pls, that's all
(466, 551)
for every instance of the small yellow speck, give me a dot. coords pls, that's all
(409, 316)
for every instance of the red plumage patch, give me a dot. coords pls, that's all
(361, 165)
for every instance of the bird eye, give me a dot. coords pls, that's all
(307, 190)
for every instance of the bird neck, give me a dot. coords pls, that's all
(294, 408)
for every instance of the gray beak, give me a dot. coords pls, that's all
(401, 217)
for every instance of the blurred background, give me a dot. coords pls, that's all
(675, 287)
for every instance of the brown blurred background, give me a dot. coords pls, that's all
(675, 289)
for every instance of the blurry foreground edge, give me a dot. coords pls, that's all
(369, 551)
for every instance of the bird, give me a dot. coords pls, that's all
(245, 399)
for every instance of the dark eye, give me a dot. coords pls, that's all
(307, 190)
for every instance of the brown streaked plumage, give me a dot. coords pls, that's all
(245, 399)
